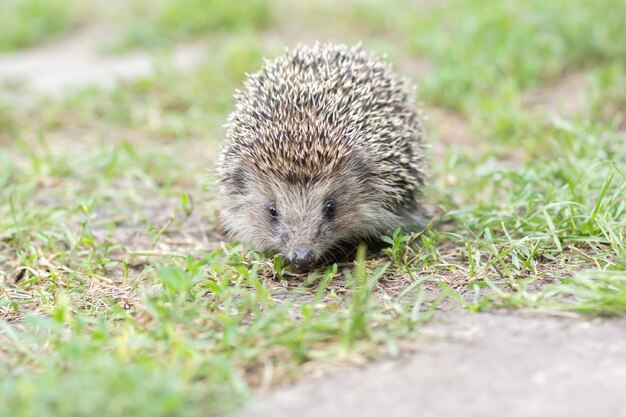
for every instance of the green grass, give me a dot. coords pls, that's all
(132, 24)
(608, 94)
(155, 23)
(26, 22)
(115, 285)
(491, 51)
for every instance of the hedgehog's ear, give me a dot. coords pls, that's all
(238, 180)
(360, 166)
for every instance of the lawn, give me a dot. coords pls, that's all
(119, 296)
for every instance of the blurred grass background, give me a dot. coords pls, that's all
(25, 22)
(116, 295)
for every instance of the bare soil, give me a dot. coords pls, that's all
(477, 365)
(77, 61)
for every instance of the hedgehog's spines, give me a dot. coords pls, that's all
(318, 113)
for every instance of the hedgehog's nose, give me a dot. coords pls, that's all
(303, 258)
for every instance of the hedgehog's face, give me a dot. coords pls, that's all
(308, 223)
(303, 222)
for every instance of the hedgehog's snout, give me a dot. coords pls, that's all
(302, 258)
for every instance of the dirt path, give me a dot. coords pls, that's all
(478, 365)
(76, 61)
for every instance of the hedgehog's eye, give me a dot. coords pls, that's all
(273, 212)
(329, 209)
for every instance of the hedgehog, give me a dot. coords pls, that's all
(324, 149)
